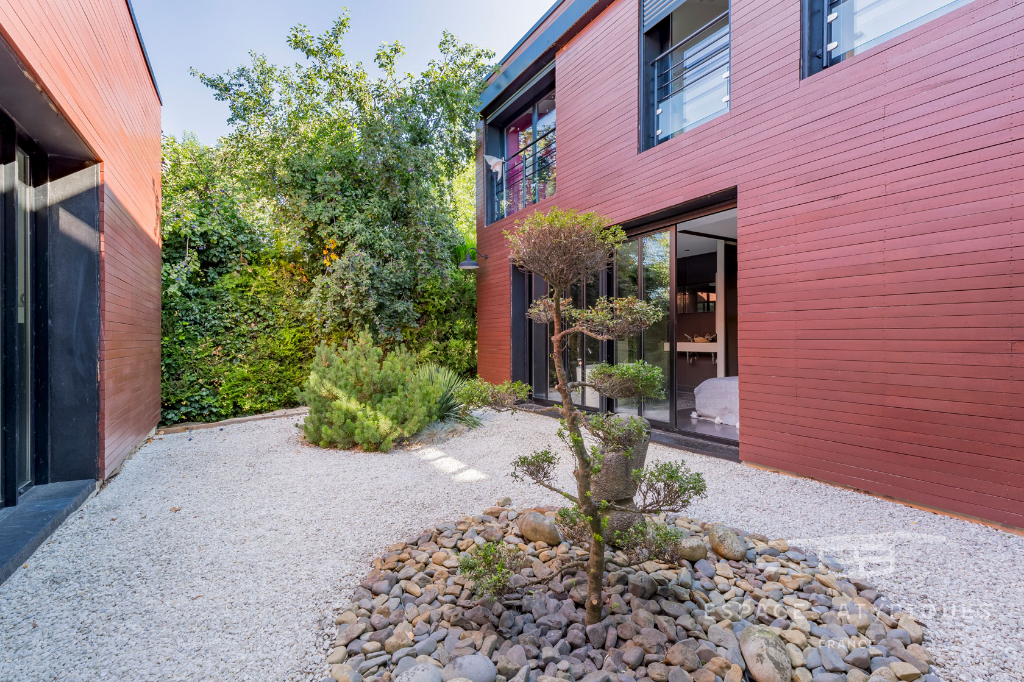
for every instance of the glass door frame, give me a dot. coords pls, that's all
(608, 282)
(23, 345)
(540, 364)
(638, 236)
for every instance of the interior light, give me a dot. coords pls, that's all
(832, 46)
(725, 75)
(726, 98)
(658, 112)
(832, 17)
(658, 131)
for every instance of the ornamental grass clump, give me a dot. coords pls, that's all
(566, 248)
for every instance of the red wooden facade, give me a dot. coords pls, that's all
(88, 59)
(881, 257)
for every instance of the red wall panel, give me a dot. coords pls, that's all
(86, 56)
(881, 207)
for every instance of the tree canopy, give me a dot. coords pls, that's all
(353, 181)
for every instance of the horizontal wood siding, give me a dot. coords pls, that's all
(881, 262)
(130, 360)
(86, 56)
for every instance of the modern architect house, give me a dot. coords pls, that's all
(825, 197)
(80, 257)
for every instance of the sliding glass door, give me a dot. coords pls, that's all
(657, 279)
(627, 283)
(688, 272)
(580, 354)
(643, 268)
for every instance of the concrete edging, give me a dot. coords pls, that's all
(198, 426)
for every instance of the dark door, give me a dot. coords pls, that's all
(17, 447)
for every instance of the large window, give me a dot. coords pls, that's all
(525, 173)
(686, 66)
(842, 28)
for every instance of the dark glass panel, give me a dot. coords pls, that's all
(627, 283)
(657, 288)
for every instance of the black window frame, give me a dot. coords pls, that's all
(495, 123)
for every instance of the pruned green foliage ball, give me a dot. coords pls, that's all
(617, 432)
(668, 486)
(538, 466)
(628, 380)
(564, 247)
(615, 318)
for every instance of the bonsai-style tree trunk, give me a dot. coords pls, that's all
(565, 248)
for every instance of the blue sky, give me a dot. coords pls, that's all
(217, 35)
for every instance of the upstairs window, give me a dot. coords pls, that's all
(524, 174)
(686, 66)
(840, 29)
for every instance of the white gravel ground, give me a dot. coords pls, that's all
(271, 535)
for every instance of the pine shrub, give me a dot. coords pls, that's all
(358, 396)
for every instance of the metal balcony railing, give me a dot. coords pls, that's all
(528, 176)
(692, 79)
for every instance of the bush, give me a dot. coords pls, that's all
(645, 541)
(357, 395)
(504, 396)
(233, 344)
(491, 568)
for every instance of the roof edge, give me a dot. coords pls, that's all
(145, 55)
(533, 29)
(563, 28)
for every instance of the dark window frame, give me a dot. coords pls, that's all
(497, 120)
(651, 47)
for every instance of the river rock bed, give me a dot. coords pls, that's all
(739, 607)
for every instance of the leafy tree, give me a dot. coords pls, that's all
(565, 248)
(337, 202)
(361, 169)
(235, 339)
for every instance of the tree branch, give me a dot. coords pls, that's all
(573, 385)
(557, 490)
(571, 564)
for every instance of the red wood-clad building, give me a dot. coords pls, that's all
(825, 197)
(80, 265)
